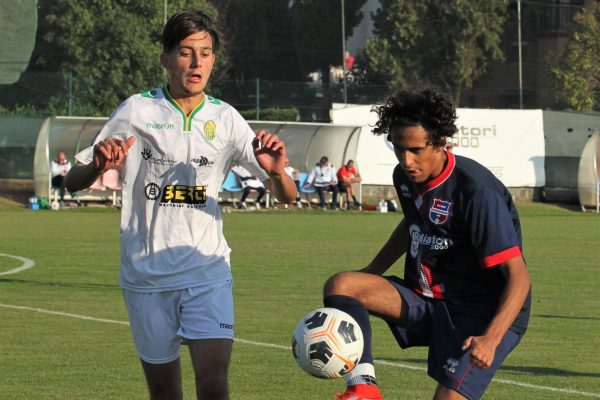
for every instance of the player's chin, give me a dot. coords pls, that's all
(194, 88)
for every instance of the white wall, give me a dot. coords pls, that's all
(510, 143)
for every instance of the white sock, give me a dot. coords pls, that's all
(362, 374)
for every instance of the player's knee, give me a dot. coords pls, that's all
(165, 392)
(212, 387)
(340, 284)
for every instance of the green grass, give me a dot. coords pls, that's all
(280, 261)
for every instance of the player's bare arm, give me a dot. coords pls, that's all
(391, 251)
(517, 286)
(270, 153)
(108, 154)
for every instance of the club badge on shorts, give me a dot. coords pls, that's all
(439, 211)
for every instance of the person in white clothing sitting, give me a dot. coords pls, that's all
(323, 177)
(59, 168)
(248, 183)
(294, 173)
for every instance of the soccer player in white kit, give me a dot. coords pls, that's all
(175, 145)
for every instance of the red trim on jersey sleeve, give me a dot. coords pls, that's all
(499, 258)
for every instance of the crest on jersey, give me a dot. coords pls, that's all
(210, 129)
(439, 211)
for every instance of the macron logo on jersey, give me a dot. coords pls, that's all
(439, 211)
(155, 125)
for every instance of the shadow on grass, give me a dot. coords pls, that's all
(518, 370)
(550, 316)
(545, 371)
(81, 285)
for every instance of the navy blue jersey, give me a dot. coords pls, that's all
(462, 224)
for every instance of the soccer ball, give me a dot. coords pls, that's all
(327, 343)
(54, 205)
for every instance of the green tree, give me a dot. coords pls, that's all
(111, 48)
(317, 28)
(261, 40)
(446, 43)
(575, 72)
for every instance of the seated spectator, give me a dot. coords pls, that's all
(249, 183)
(324, 179)
(59, 168)
(347, 175)
(295, 175)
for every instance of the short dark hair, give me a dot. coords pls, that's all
(428, 107)
(186, 23)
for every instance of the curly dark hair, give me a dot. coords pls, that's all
(428, 107)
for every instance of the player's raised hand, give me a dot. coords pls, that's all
(269, 151)
(111, 152)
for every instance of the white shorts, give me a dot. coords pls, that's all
(162, 321)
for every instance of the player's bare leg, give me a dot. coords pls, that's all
(360, 294)
(210, 358)
(375, 293)
(444, 393)
(164, 380)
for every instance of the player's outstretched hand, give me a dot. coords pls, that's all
(482, 350)
(111, 152)
(269, 151)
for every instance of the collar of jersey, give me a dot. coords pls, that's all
(187, 119)
(438, 180)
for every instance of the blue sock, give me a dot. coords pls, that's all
(355, 308)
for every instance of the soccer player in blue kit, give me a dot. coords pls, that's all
(466, 292)
(175, 145)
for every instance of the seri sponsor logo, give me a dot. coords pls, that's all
(418, 239)
(439, 211)
(202, 161)
(156, 125)
(147, 155)
(177, 195)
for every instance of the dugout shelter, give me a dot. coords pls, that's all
(535, 153)
(305, 142)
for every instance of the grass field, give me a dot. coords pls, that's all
(64, 332)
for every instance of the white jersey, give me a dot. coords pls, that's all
(59, 169)
(171, 225)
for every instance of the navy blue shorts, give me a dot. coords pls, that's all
(431, 324)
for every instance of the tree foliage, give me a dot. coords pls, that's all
(111, 48)
(317, 30)
(446, 43)
(261, 41)
(575, 72)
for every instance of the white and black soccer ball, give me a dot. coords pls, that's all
(327, 343)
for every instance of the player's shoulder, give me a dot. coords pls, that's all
(470, 170)
(150, 95)
(218, 106)
(476, 180)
